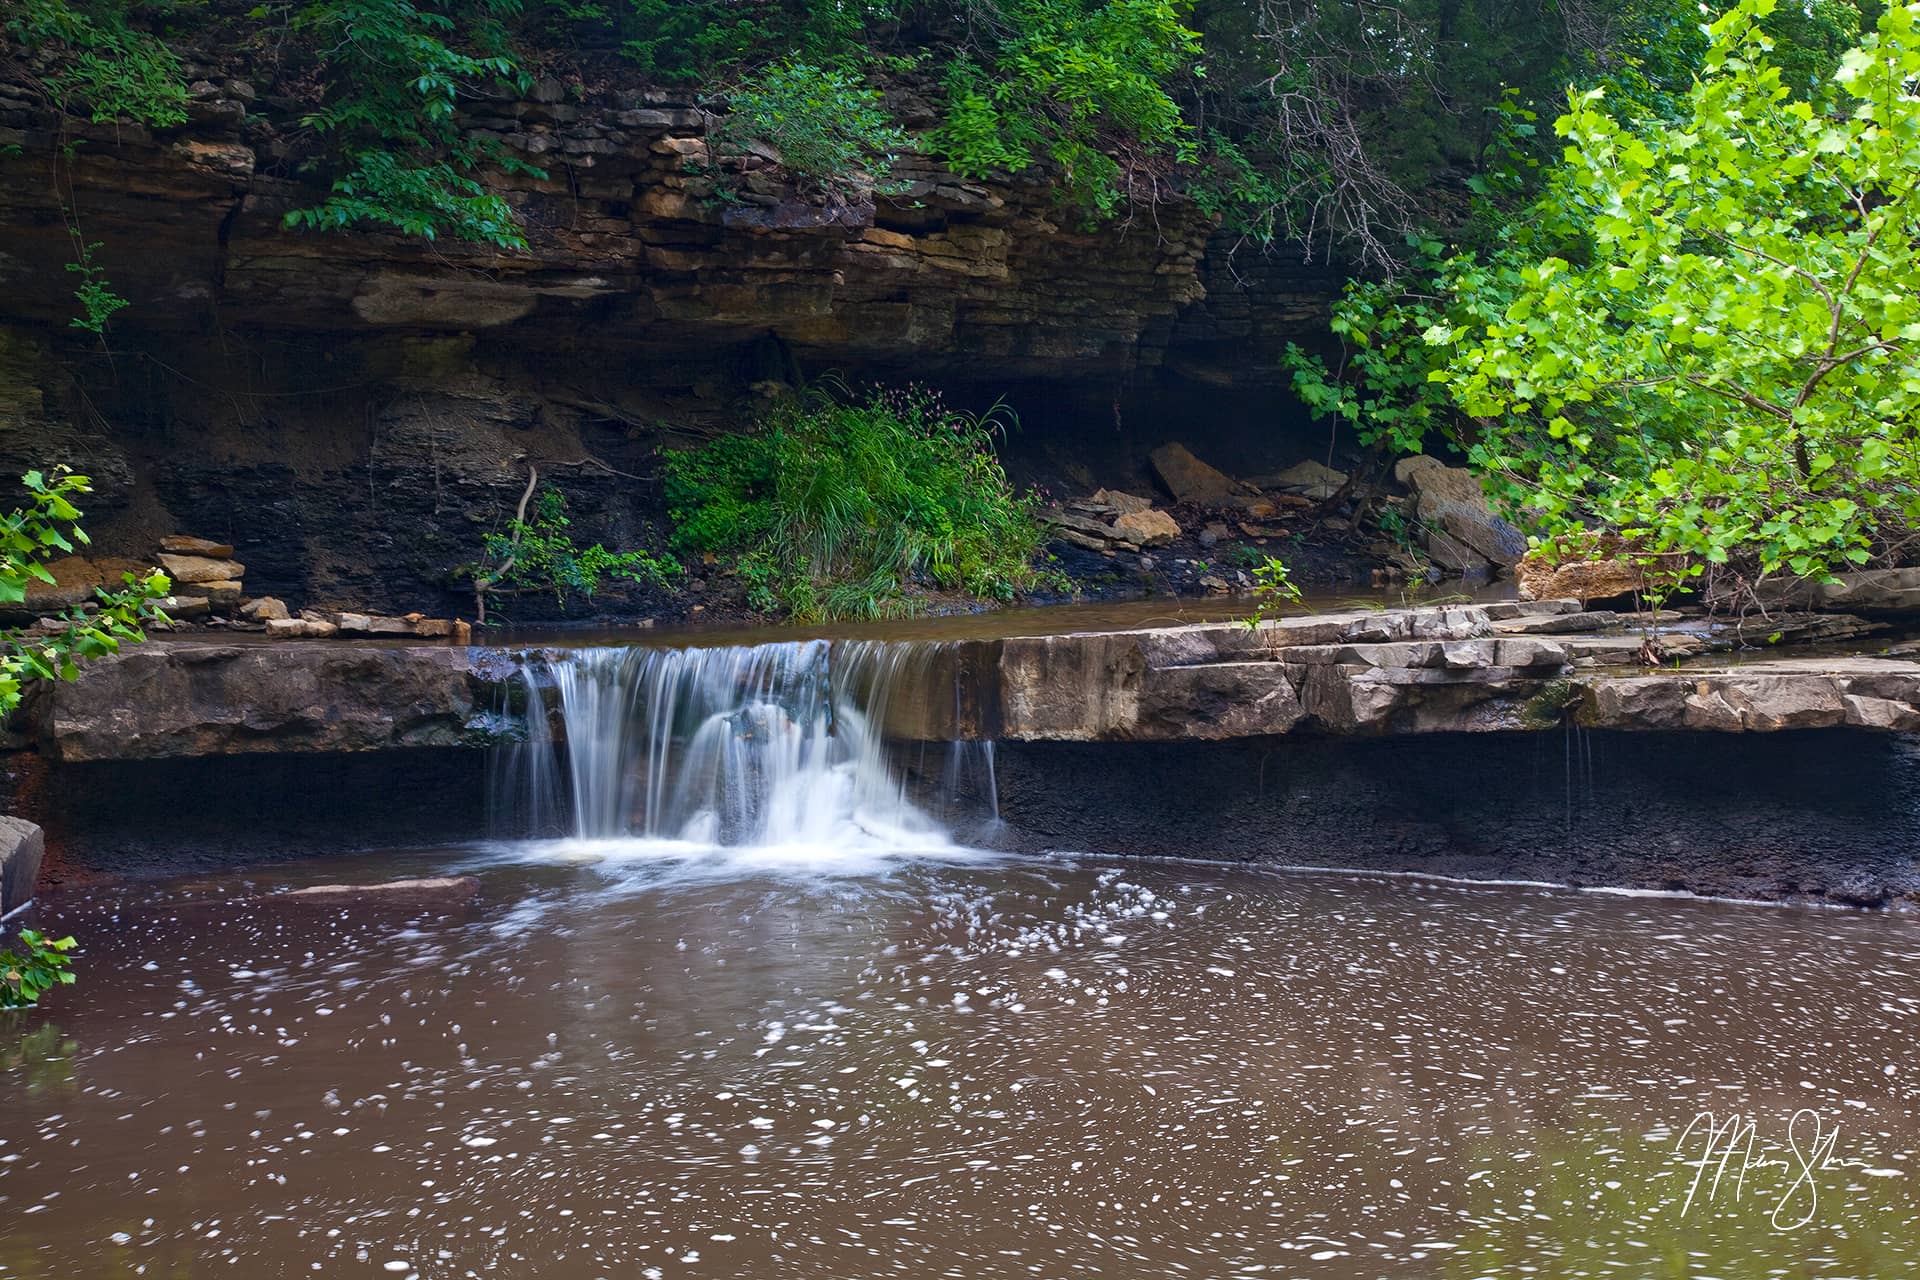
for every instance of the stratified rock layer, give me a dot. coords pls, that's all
(1364, 673)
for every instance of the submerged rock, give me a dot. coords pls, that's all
(433, 892)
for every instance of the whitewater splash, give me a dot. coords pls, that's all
(772, 747)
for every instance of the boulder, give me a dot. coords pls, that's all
(1122, 503)
(192, 569)
(1188, 479)
(74, 578)
(22, 846)
(1543, 579)
(180, 607)
(265, 609)
(1407, 468)
(1147, 528)
(226, 592)
(1309, 478)
(1459, 525)
(182, 545)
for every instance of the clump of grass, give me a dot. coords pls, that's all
(837, 507)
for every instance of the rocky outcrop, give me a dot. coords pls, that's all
(1362, 673)
(169, 699)
(630, 246)
(356, 411)
(1875, 591)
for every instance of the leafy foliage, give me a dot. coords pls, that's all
(398, 80)
(1068, 80)
(1273, 589)
(49, 526)
(98, 302)
(836, 510)
(39, 967)
(535, 552)
(691, 41)
(111, 71)
(825, 125)
(1728, 374)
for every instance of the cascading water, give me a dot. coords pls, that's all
(764, 746)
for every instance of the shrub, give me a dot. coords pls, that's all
(827, 126)
(47, 526)
(110, 71)
(535, 553)
(838, 510)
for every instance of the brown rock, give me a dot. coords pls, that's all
(1451, 502)
(1188, 479)
(433, 628)
(191, 569)
(1542, 579)
(184, 606)
(1122, 503)
(463, 631)
(1086, 541)
(22, 846)
(74, 578)
(182, 545)
(389, 627)
(220, 593)
(212, 697)
(1313, 479)
(1147, 528)
(265, 609)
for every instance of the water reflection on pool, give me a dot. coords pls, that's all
(628, 1059)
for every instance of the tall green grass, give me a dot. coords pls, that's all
(836, 507)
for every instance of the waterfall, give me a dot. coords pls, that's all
(770, 745)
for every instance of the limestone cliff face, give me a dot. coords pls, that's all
(352, 410)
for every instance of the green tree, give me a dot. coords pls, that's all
(1728, 372)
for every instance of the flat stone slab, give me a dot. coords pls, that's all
(1360, 672)
(168, 699)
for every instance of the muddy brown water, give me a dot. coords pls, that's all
(634, 1059)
